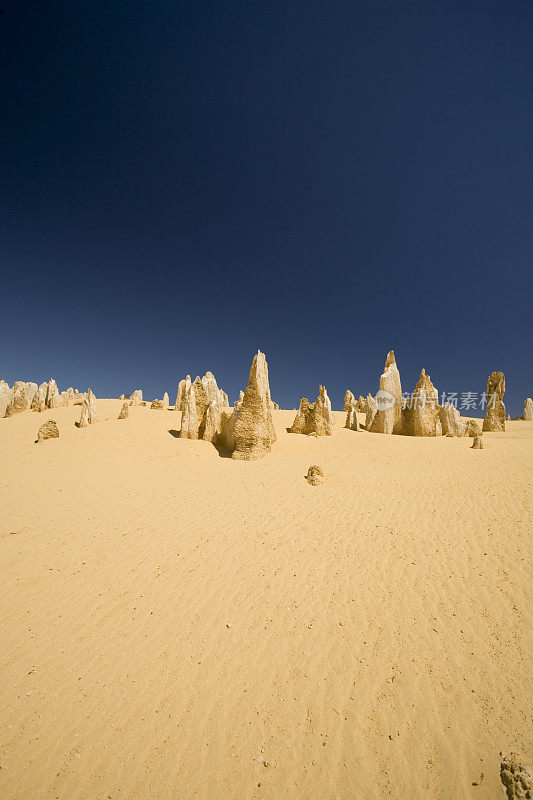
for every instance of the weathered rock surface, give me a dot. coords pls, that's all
(51, 392)
(314, 475)
(189, 417)
(477, 444)
(39, 401)
(421, 413)
(158, 405)
(88, 410)
(450, 420)
(48, 430)
(136, 398)
(516, 778)
(31, 391)
(349, 400)
(388, 417)
(370, 411)
(252, 428)
(124, 411)
(351, 419)
(314, 417)
(528, 409)
(166, 400)
(495, 414)
(19, 401)
(183, 387)
(6, 395)
(472, 428)
(213, 422)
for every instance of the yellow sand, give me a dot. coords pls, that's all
(179, 625)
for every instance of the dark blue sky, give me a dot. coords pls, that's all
(185, 182)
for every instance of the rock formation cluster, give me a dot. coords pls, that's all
(26, 395)
(314, 417)
(201, 403)
(209, 388)
(495, 413)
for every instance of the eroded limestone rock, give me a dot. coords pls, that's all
(314, 475)
(136, 398)
(124, 411)
(349, 400)
(388, 417)
(252, 429)
(351, 419)
(528, 409)
(19, 401)
(158, 405)
(421, 413)
(48, 430)
(166, 400)
(450, 420)
(516, 778)
(477, 444)
(495, 413)
(88, 410)
(314, 417)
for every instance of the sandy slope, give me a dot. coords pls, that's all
(171, 619)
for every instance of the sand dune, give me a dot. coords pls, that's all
(175, 624)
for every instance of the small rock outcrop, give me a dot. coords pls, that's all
(477, 444)
(516, 778)
(48, 430)
(421, 413)
(388, 417)
(124, 411)
(183, 387)
(166, 400)
(136, 398)
(528, 409)
(450, 420)
(349, 400)
(314, 475)
(351, 419)
(158, 405)
(472, 428)
(495, 415)
(88, 410)
(314, 417)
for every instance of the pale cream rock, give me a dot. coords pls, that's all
(51, 392)
(48, 430)
(528, 409)
(213, 422)
(136, 398)
(189, 418)
(166, 400)
(351, 419)
(495, 414)
(39, 401)
(370, 411)
(477, 444)
(349, 400)
(450, 420)
(31, 391)
(124, 411)
(224, 399)
(19, 401)
(314, 417)
(388, 417)
(421, 414)
(88, 410)
(183, 388)
(6, 395)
